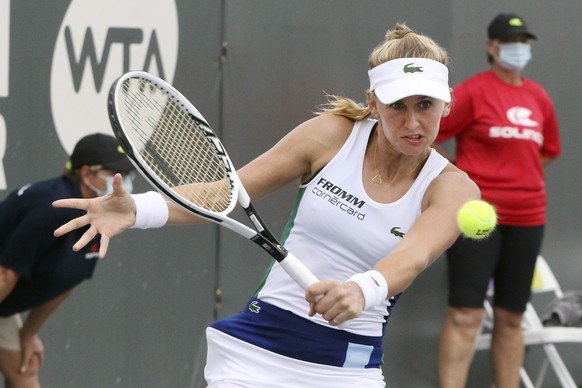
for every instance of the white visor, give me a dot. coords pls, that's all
(404, 77)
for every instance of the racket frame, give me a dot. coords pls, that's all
(261, 235)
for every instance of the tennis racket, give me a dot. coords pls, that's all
(174, 148)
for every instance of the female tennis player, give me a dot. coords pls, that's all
(376, 205)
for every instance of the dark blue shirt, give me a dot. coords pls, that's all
(46, 265)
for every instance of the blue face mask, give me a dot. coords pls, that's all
(514, 56)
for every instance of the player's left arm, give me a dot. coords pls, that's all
(433, 232)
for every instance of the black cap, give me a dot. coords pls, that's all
(100, 149)
(506, 26)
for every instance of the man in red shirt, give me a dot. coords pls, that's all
(506, 131)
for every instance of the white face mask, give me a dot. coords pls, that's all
(127, 183)
(514, 56)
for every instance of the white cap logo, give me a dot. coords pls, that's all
(404, 77)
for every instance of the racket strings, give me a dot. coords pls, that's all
(174, 146)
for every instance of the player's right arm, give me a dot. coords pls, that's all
(300, 154)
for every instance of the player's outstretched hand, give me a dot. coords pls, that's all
(337, 302)
(108, 215)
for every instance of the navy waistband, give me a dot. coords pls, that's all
(282, 332)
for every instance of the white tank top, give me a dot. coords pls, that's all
(337, 230)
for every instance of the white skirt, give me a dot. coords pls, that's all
(232, 363)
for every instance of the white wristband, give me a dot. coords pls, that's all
(151, 210)
(374, 287)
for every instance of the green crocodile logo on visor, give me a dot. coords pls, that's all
(408, 68)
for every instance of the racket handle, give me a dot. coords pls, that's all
(302, 276)
(298, 271)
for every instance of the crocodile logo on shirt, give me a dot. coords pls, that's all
(408, 68)
(254, 307)
(397, 232)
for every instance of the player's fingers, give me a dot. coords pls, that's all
(85, 239)
(75, 223)
(312, 296)
(343, 321)
(118, 188)
(104, 245)
(323, 293)
(318, 290)
(73, 203)
(312, 311)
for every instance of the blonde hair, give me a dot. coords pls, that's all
(400, 42)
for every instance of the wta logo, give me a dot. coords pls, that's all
(97, 42)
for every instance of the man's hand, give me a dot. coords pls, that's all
(32, 354)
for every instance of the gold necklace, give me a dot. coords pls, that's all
(378, 177)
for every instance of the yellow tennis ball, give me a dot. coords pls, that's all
(476, 219)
